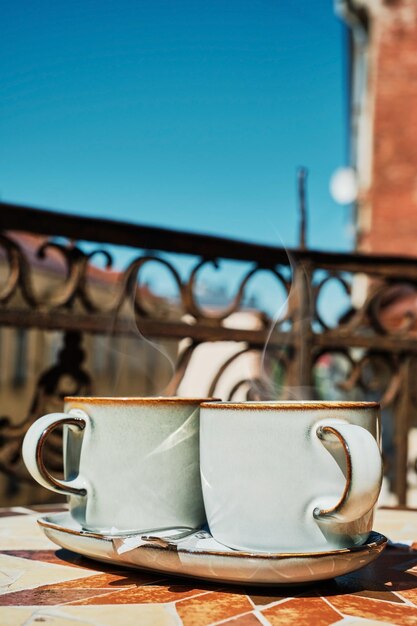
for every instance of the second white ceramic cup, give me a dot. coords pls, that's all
(290, 476)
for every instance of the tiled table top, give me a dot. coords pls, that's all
(40, 583)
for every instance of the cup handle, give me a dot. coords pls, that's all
(363, 470)
(32, 451)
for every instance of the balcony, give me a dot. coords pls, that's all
(79, 316)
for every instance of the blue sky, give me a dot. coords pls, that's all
(185, 114)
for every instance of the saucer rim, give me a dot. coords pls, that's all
(375, 542)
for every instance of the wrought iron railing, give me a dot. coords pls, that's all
(369, 351)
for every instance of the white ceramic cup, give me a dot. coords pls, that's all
(130, 464)
(290, 476)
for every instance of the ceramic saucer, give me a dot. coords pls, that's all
(216, 563)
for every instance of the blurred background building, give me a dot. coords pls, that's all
(383, 121)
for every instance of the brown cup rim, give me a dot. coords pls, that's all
(292, 405)
(137, 400)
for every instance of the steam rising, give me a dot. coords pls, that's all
(187, 430)
(135, 338)
(270, 382)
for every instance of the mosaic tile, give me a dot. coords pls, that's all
(47, 596)
(366, 587)
(146, 615)
(212, 607)
(397, 525)
(17, 574)
(409, 594)
(19, 616)
(21, 532)
(61, 556)
(389, 573)
(148, 594)
(401, 615)
(260, 599)
(110, 581)
(249, 619)
(351, 621)
(263, 597)
(302, 612)
(44, 556)
(34, 571)
(387, 596)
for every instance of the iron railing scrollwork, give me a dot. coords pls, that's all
(368, 352)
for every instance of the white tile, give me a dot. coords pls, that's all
(21, 532)
(17, 573)
(129, 615)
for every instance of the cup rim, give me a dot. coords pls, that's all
(272, 405)
(137, 400)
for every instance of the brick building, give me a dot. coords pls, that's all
(383, 121)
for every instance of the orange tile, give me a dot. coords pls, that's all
(212, 607)
(45, 556)
(388, 574)
(399, 614)
(368, 587)
(387, 596)
(302, 612)
(409, 593)
(262, 599)
(243, 620)
(146, 594)
(110, 581)
(58, 557)
(49, 556)
(49, 597)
